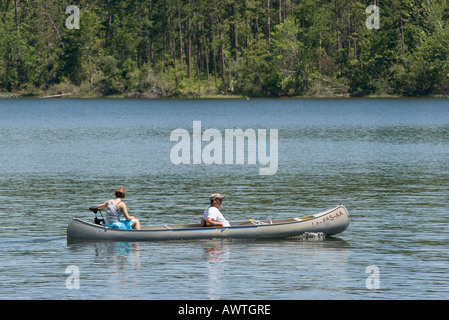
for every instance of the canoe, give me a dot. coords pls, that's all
(329, 222)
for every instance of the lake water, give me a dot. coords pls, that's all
(386, 160)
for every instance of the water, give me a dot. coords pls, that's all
(385, 160)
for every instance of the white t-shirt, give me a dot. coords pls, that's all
(215, 214)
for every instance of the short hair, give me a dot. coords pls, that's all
(120, 192)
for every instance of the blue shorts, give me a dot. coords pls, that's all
(122, 224)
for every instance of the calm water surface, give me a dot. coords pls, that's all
(385, 160)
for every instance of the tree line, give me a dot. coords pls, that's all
(165, 48)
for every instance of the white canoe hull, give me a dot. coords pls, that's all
(329, 222)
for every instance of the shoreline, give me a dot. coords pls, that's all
(12, 95)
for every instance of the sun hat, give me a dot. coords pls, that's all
(216, 196)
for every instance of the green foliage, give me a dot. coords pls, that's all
(162, 48)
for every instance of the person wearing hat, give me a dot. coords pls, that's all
(212, 216)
